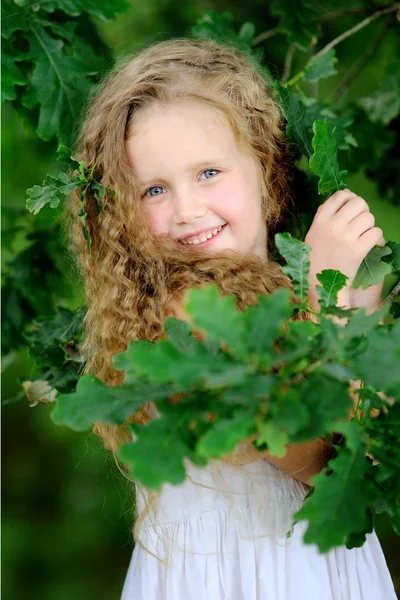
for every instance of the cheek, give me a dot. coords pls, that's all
(157, 217)
(236, 201)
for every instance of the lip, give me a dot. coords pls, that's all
(199, 231)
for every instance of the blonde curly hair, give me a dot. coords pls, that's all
(130, 280)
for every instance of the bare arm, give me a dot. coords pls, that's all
(303, 461)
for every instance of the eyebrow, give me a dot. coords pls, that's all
(195, 167)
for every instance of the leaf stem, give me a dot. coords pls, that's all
(395, 7)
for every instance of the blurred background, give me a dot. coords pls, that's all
(67, 510)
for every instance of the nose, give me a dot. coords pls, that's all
(187, 207)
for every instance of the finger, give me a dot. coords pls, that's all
(370, 238)
(334, 203)
(360, 224)
(381, 241)
(351, 209)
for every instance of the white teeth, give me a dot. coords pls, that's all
(201, 238)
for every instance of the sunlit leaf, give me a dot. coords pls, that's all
(296, 254)
(324, 162)
(321, 67)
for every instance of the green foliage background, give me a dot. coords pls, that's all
(66, 509)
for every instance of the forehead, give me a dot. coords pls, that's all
(179, 133)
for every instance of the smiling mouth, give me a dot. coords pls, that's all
(202, 239)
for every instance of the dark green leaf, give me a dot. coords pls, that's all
(394, 258)
(11, 75)
(13, 17)
(297, 20)
(339, 505)
(58, 85)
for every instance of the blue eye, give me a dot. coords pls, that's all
(214, 171)
(157, 189)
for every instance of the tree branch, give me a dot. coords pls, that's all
(395, 292)
(395, 7)
(265, 35)
(342, 13)
(288, 63)
(358, 66)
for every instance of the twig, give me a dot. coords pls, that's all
(342, 13)
(265, 35)
(288, 63)
(358, 66)
(357, 27)
(395, 292)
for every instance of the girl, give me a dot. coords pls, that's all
(190, 138)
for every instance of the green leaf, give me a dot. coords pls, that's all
(11, 75)
(162, 363)
(372, 269)
(13, 18)
(379, 364)
(179, 333)
(340, 502)
(321, 67)
(324, 161)
(384, 105)
(361, 324)
(222, 438)
(158, 452)
(296, 254)
(254, 390)
(298, 342)
(332, 282)
(394, 258)
(94, 401)
(246, 32)
(326, 400)
(287, 411)
(300, 113)
(265, 322)
(218, 316)
(58, 85)
(103, 11)
(52, 191)
(273, 438)
(64, 155)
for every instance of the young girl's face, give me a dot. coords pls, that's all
(194, 179)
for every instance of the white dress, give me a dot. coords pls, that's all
(221, 535)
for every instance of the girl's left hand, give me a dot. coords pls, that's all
(341, 235)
